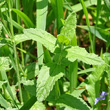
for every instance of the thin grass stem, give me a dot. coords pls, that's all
(88, 23)
(15, 53)
(18, 20)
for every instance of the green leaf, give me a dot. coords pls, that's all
(29, 104)
(67, 5)
(0, 28)
(21, 38)
(88, 3)
(4, 63)
(86, 70)
(100, 33)
(68, 30)
(2, 44)
(107, 3)
(31, 70)
(63, 40)
(28, 11)
(30, 86)
(24, 17)
(57, 6)
(2, 3)
(8, 87)
(38, 106)
(47, 77)
(81, 54)
(73, 103)
(91, 83)
(41, 11)
(10, 108)
(1, 83)
(15, 24)
(38, 35)
(3, 102)
(43, 37)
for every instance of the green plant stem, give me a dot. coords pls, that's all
(73, 75)
(73, 68)
(88, 24)
(15, 53)
(108, 107)
(57, 89)
(97, 18)
(18, 20)
(57, 92)
(6, 87)
(59, 4)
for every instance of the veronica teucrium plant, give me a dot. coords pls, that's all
(58, 73)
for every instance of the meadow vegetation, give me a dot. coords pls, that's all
(54, 54)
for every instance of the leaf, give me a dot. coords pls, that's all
(1, 83)
(10, 108)
(28, 11)
(30, 86)
(21, 38)
(68, 30)
(91, 81)
(2, 44)
(57, 6)
(15, 24)
(42, 9)
(63, 40)
(2, 3)
(88, 3)
(43, 37)
(67, 6)
(3, 102)
(29, 104)
(24, 17)
(0, 27)
(47, 77)
(80, 89)
(7, 86)
(38, 35)
(38, 106)
(81, 54)
(52, 96)
(107, 3)
(86, 71)
(4, 63)
(31, 70)
(100, 33)
(72, 102)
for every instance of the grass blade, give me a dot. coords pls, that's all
(87, 21)
(24, 17)
(41, 12)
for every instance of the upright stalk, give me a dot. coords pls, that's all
(59, 4)
(15, 52)
(73, 75)
(18, 20)
(88, 23)
(97, 18)
(73, 68)
(6, 87)
(57, 92)
(108, 107)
